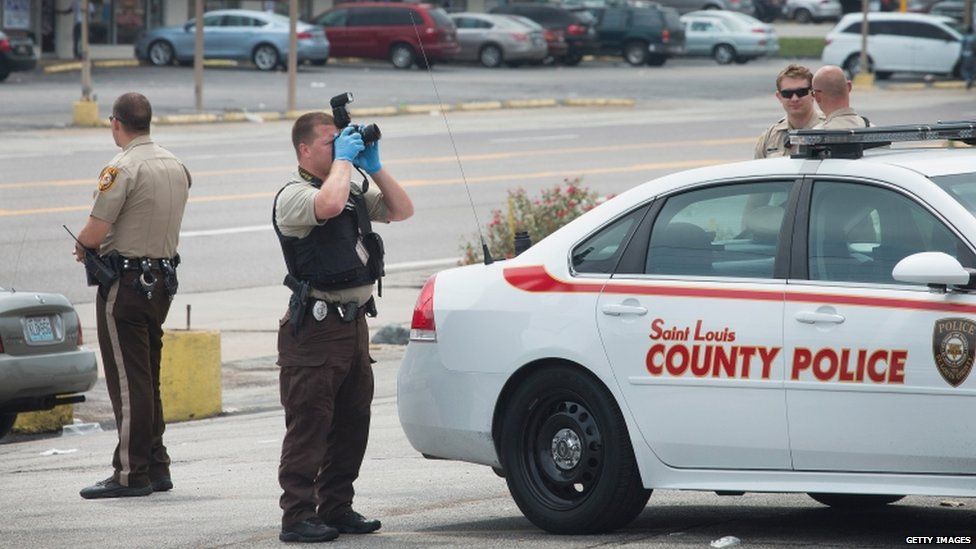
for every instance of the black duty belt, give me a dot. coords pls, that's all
(137, 263)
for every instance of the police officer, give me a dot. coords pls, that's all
(134, 227)
(323, 221)
(832, 90)
(794, 86)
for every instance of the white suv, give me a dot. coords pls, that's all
(897, 42)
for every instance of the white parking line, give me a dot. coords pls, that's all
(230, 230)
(563, 137)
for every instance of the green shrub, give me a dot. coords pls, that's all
(539, 216)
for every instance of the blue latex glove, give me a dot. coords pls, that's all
(369, 159)
(348, 144)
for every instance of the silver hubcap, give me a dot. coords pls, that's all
(566, 449)
(159, 54)
(265, 58)
(491, 57)
(723, 55)
(402, 57)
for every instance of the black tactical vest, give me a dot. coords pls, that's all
(327, 258)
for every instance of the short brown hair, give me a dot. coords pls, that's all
(304, 129)
(795, 71)
(133, 111)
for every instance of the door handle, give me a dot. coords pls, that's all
(616, 309)
(813, 317)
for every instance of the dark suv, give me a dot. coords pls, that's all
(16, 54)
(641, 35)
(578, 33)
(390, 31)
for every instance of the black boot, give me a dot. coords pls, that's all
(110, 488)
(352, 522)
(308, 531)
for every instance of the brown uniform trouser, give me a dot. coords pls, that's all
(130, 337)
(326, 390)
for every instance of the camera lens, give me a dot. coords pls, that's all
(371, 134)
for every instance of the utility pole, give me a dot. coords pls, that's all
(292, 52)
(198, 56)
(865, 77)
(86, 78)
(967, 14)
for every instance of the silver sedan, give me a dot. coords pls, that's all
(42, 358)
(242, 35)
(496, 39)
(728, 36)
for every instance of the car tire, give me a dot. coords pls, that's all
(635, 53)
(656, 60)
(402, 56)
(160, 53)
(723, 54)
(6, 420)
(854, 501)
(266, 57)
(803, 15)
(4, 72)
(571, 59)
(852, 65)
(567, 454)
(491, 56)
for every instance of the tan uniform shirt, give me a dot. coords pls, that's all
(295, 215)
(772, 142)
(142, 192)
(842, 119)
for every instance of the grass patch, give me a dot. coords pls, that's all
(800, 47)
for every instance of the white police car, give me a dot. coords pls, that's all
(801, 324)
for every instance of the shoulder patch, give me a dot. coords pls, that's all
(107, 178)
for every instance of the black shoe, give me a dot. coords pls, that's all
(164, 484)
(352, 522)
(109, 488)
(308, 531)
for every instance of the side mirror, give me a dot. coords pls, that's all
(932, 268)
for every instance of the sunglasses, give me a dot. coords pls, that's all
(112, 117)
(799, 92)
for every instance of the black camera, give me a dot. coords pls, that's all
(370, 133)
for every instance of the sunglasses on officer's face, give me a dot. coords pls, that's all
(112, 117)
(799, 92)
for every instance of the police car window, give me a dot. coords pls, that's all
(962, 187)
(600, 252)
(727, 231)
(859, 232)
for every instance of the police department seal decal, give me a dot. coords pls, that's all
(107, 178)
(954, 347)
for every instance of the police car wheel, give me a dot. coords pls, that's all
(6, 423)
(854, 501)
(567, 455)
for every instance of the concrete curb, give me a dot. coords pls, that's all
(920, 86)
(367, 112)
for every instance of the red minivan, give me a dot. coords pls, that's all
(380, 30)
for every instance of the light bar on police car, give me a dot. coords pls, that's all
(956, 131)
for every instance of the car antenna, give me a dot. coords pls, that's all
(13, 280)
(450, 135)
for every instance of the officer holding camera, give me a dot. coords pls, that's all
(323, 222)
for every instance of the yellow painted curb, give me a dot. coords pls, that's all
(423, 109)
(373, 111)
(190, 383)
(63, 67)
(187, 118)
(479, 105)
(219, 63)
(950, 85)
(268, 116)
(598, 102)
(529, 103)
(85, 113)
(908, 87)
(111, 63)
(45, 421)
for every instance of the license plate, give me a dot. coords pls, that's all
(22, 50)
(39, 329)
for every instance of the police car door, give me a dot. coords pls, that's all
(864, 391)
(691, 322)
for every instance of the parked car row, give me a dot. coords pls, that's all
(899, 42)
(17, 53)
